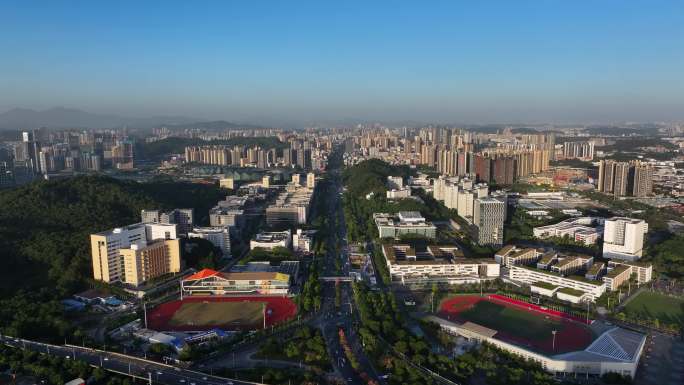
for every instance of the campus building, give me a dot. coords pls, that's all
(302, 240)
(395, 182)
(405, 222)
(184, 218)
(546, 282)
(136, 253)
(402, 193)
(211, 282)
(623, 238)
(271, 240)
(218, 236)
(489, 215)
(145, 262)
(436, 264)
(579, 229)
(512, 255)
(620, 272)
(291, 207)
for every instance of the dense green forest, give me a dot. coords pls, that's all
(667, 256)
(167, 146)
(371, 176)
(44, 238)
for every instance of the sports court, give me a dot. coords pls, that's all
(519, 324)
(227, 313)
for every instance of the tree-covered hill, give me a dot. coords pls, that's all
(45, 226)
(371, 175)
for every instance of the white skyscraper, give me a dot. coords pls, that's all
(623, 238)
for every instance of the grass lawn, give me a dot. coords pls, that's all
(218, 313)
(650, 305)
(532, 326)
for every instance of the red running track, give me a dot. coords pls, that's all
(572, 335)
(278, 309)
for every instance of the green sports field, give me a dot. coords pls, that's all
(218, 314)
(650, 305)
(512, 321)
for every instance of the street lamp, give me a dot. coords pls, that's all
(553, 344)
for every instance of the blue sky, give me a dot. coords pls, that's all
(297, 61)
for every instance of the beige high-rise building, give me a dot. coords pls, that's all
(621, 187)
(266, 181)
(142, 263)
(643, 180)
(623, 178)
(311, 180)
(144, 246)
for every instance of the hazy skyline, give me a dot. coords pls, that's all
(502, 61)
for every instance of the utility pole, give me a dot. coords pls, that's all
(263, 310)
(587, 312)
(145, 311)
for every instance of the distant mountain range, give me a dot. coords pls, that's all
(60, 117)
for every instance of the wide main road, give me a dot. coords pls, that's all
(329, 318)
(334, 319)
(126, 365)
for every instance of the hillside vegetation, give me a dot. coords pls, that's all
(44, 241)
(45, 226)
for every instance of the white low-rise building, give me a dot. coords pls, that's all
(510, 255)
(579, 229)
(399, 194)
(218, 236)
(271, 240)
(530, 276)
(436, 263)
(405, 222)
